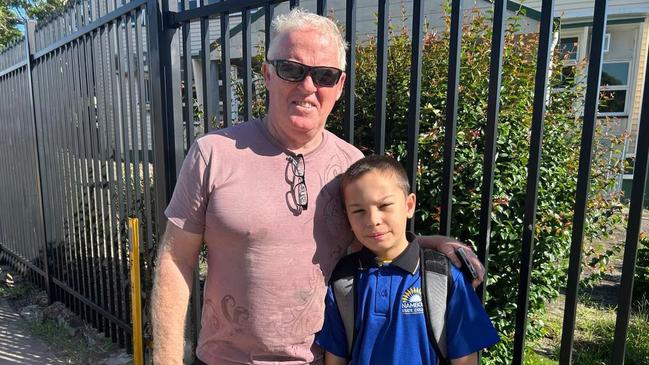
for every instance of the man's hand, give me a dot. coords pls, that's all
(447, 246)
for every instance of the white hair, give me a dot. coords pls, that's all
(300, 19)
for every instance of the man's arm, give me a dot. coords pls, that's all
(177, 258)
(447, 246)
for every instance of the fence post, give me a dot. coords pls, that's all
(166, 114)
(30, 49)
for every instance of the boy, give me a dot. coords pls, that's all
(389, 319)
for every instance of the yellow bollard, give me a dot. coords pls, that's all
(136, 298)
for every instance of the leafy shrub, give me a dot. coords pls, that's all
(641, 281)
(560, 159)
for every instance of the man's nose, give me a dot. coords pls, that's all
(308, 85)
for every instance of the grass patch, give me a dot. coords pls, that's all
(532, 358)
(594, 332)
(74, 349)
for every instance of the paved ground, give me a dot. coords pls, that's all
(17, 346)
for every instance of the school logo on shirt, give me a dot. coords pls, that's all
(411, 301)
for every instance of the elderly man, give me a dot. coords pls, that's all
(263, 196)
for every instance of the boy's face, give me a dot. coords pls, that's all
(378, 210)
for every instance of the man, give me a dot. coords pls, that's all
(263, 197)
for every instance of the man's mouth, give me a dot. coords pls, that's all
(304, 104)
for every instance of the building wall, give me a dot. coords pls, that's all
(637, 99)
(572, 9)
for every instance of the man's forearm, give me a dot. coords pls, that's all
(170, 297)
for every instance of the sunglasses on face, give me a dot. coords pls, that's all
(296, 72)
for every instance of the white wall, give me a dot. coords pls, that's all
(584, 8)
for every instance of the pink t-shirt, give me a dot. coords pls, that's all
(268, 265)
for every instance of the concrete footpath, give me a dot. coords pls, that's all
(17, 346)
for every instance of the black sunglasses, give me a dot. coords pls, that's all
(295, 72)
(299, 183)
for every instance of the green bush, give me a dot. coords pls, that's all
(558, 168)
(641, 281)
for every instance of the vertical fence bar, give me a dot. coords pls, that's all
(50, 163)
(533, 168)
(54, 120)
(491, 133)
(225, 69)
(415, 98)
(136, 308)
(269, 10)
(321, 7)
(188, 109)
(452, 94)
(381, 78)
(638, 192)
(583, 179)
(30, 48)
(247, 64)
(350, 81)
(208, 109)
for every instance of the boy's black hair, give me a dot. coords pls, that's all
(384, 164)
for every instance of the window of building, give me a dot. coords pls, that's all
(568, 49)
(614, 87)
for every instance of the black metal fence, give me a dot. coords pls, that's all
(98, 110)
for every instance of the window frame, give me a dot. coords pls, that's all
(604, 88)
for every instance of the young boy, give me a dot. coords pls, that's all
(389, 320)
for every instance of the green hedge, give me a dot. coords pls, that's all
(641, 281)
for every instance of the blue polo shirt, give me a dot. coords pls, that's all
(390, 322)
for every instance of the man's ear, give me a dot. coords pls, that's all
(265, 71)
(411, 203)
(341, 85)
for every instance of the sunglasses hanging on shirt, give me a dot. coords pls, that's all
(299, 183)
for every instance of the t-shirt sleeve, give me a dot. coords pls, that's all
(468, 327)
(332, 337)
(189, 200)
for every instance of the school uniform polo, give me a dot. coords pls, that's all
(390, 322)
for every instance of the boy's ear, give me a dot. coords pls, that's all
(411, 203)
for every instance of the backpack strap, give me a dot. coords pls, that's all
(343, 282)
(436, 283)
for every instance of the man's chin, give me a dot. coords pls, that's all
(305, 124)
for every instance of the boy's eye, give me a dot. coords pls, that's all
(357, 211)
(385, 205)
